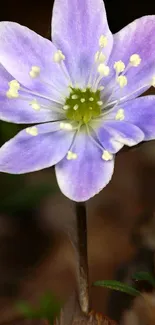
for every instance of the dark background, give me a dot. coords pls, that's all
(36, 221)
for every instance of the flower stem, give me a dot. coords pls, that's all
(83, 285)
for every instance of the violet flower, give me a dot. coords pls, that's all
(83, 85)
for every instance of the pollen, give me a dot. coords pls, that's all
(82, 100)
(120, 115)
(75, 107)
(107, 155)
(100, 57)
(14, 87)
(103, 41)
(100, 103)
(122, 81)
(91, 99)
(71, 155)
(66, 126)
(74, 96)
(103, 70)
(35, 105)
(32, 131)
(59, 57)
(119, 66)
(34, 72)
(135, 60)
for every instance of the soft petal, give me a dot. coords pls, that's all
(27, 153)
(107, 139)
(76, 28)
(136, 38)
(82, 178)
(126, 133)
(141, 112)
(20, 49)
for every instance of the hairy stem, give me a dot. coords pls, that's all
(83, 285)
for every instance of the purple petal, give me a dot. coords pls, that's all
(27, 153)
(124, 132)
(82, 178)
(141, 112)
(136, 38)
(20, 49)
(76, 28)
(107, 139)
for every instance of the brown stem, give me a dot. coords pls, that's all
(83, 285)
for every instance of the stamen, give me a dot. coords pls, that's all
(153, 81)
(100, 57)
(135, 60)
(103, 41)
(120, 115)
(82, 100)
(107, 155)
(122, 81)
(91, 99)
(34, 72)
(66, 126)
(71, 155)
(41, 96)
(101, 88)
(32, 130)
(14, 87)
(103, 70)
(119, 66)
(59, 56)
(35, 105)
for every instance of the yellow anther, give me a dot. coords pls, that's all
(153, 81)
(120, 115)
(82, 100)
(34, 72)
(103, 41)
(122, 81)
(66, 126)
(100, 57)
(71, 155)
(14, 87)
(107, 155)
(103, 70)
(35, 105)
(59, 56)
(135, 60)
(119, 66)
(91, 99)
(32, 130)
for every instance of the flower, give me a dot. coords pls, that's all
(82, 88)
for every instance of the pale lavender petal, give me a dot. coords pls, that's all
(136, 38)
(141, 112)
(82, 178)
(107, 139)
(76, 28)
(125, 132)
(20, 49)
(27, 153)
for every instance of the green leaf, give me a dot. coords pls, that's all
(146, 276)
(118, 286)
(26, 310)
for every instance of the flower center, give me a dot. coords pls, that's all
(83, 104)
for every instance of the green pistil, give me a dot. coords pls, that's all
(83, 104)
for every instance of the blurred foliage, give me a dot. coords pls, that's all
(144, 276)
(118, 286)
(48, 308)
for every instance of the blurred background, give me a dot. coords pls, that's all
(37, 223)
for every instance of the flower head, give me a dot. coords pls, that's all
(84, 85)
